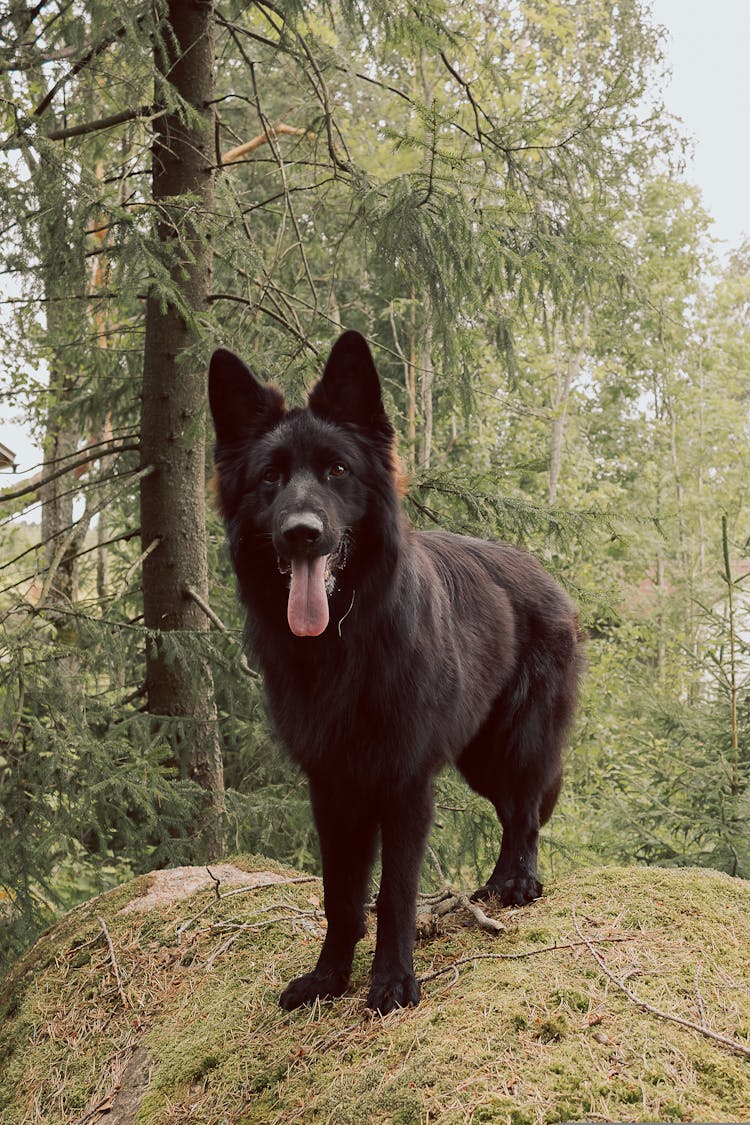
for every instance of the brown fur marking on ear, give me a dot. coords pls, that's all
(214, 486)
(278, 404)
(402, 476)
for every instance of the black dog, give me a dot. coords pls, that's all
(386, 652)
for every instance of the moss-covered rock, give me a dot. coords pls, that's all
(157, 1003)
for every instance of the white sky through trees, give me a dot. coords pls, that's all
(707, 47)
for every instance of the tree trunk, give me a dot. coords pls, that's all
(62, 269)
(409, 360)
(560, 409)
(179, 684)
(411, 383)
(426, 380)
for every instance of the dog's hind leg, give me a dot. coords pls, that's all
(347, 831)
(520, 772)
(514, 880)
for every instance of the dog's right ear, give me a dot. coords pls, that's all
(349, 390)
(240, 405)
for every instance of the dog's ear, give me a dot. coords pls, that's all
(240, 405)
(349, 390)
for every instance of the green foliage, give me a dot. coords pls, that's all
(85, 798)
(493, 197)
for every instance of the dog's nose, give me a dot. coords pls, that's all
(301, 530)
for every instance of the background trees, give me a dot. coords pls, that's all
(492, 196)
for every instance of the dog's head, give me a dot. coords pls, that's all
(299, 482)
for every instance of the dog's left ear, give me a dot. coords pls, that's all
(349, 390)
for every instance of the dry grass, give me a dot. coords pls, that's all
(527, 1026)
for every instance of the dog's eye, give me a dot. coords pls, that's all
(271, 475)
(337, 469)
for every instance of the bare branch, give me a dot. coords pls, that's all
(268, 312)
(492, 924)
(60, 552)
(104, 123)
(277, 882)
(222, 629)
(39, 481)
(243, 150)
(120, 434)
(123, 587)
(22, 63)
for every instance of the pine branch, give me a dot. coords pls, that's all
(269, 313)
(21, 63)
(93, 53)
(85, 60)
(18, 715)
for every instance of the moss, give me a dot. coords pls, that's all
(552, 1030)
(572, 998)
(526, 1040)
(519, 1117)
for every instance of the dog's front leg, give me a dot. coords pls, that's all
(347, 829)
(405, 824)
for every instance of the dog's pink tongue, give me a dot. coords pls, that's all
(307, 611)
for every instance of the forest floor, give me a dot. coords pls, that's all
(622, 995)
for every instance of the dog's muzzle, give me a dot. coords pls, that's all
(312, 571)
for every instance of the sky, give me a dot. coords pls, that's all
(707, 47)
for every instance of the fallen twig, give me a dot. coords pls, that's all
(709, 1033)
(186, 925)
(484, 920)
(445, 901)
(113, 959)
(512, 956)
(216, 882)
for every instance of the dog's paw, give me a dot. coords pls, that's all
(388, 993)
(517, 891)
(311, 987)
